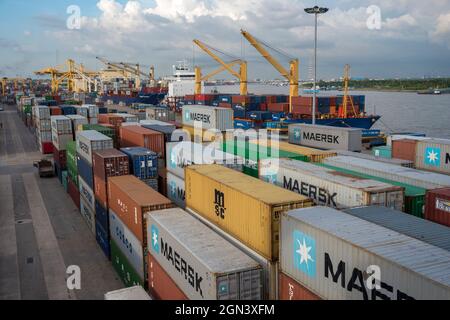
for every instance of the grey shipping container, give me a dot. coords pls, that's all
(176, 190)
(417, 178)
(90, 141)
(398, 162)
(127, 117)
(424, 230)
(136, 293)
(331, 253)
(156, 123)
(209, 117)
(157, 113)
(42, 112)
(270, 269)
(328, 187)
(61, 125)
(202, 264)
(433, 155)
(326, 137)
(77, 120)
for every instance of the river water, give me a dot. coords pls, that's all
(400, 111)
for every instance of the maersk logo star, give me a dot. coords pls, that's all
(187, 115)
(155, 238)
(297, 134)
(304, 253)
(433, 156)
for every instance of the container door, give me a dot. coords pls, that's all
(250, 285)
(378, 199)
(395, 200)
(228, 287)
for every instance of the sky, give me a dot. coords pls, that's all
(378, 38)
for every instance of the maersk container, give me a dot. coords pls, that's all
(418, 178)
(433, 155)
(420, 229)
(175, 190)
(326, 137)
(328, 187)
(77, 121)
(208, 117)
(182, 154)
(123, 268)
(127, 243)
(87, 193)
(331, 252)
(85, 171)
(398, 162)
(90, 141)
(136, 293)
(143, 162)
(103, 239)
(61, 125)
(88, 214)
(222, 195)
(220, 271)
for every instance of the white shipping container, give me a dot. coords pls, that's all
(92, 110)
(60, 141)
(88, 214)
(202, 264)
(398, 162)
(127, 242)
(155, 123)
(43, 136)
(182, 154)
(77, 121)
(93, 120)
(417, 178)
(136, 293)
(42, 112)
(403, 137)
(83, 111)
(43, 124)
(330, 253)
(61, 125)
(433, 155)
(176, 190)
(209, 117)
(89, 141)
(328, 187)
(87, 193)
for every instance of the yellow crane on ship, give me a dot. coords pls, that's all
(241, 74)
(292, 75)
(347, 99)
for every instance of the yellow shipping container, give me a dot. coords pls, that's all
(196, 137)
(314, 155)
(244, 207)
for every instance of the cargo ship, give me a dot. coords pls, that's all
(147, 95)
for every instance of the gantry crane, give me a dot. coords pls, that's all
(15, 81)
(347, 99)
(292, 75)
(241, 75)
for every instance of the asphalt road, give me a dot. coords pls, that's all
(42, 233)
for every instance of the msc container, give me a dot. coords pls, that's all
(103, 239)
(420, 229)
(175, 190)
(291, 290)
(85, 171)
(437, 207)
(60, 141)
(128, 244)
(136, 293)
(88, 214)
(209, 117)
(433, 155)
(421, 179)
(183, 154)
(90, 141)
(135, 136)
(77, 121)
(328, 187)
(395, 160)
(87, 193)
(160, 285)
(382, 152)
(329, 252)
(404, 149)
(123, 268)
(61, 125)
(143, 162)
(247, 208)
(220, 271)
(326, 137)
(131, 199)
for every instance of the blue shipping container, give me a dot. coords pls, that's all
(143, 162)
(259, 115)
(68, 110)
(101, 215)
(102, 110)
(370, 133)
(244, 124)
(103, 240)
(85, 171)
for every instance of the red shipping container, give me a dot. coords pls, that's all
(437, 206)
(404, 149)
(55, 111)
(74, 193)
(60, 158)
(160, 285)
(278, 107)
(225, 105)
(116, 121)
(136, 136)
(302, 110)
(47, 147)
(131, 199)
(240, 99)
(290, 289)
(110, 163)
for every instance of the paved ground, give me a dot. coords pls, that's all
(41, 231)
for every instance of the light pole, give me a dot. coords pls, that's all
(315, 11)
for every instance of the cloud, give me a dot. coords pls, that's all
(441, 33)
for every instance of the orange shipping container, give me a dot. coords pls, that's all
(136, 136)
(404, 149)
(101, 194)
(110, 119)
(160, 285)
(131, 199)
(292, 290)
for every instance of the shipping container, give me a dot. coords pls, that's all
(101, 215)
(61, 125)
(127, 117)
(200, 136)
(128, 244)
(175, 190)
(437, 207)
(156, 123)
(103, 239)
(157, 113)
(160, 285)
(135, 136)
(291, 290)
(183, 154)
(77, 121)
(44, 124)
(83, 111)
(433, 155)
(421, 179)
(60, 157)
(404, 149)
(61, 141)
(42, 112)
(109, 132)
(123, 268)
(88, 214)
(87, 193)
(326, 137)
(382, 152)
(143, 162)
(171, 133)
(328, 187)
(85, 171)
(221, 195)
(395, 160)
(222, 272)
(393, 137)
(420, 229)
(44, 136)
(208, 117)
(93, 110)
(74, 193)
(90, 141)
(328, 252)
(71, 161)
(110, 163)
(131, 199)
(136, 293)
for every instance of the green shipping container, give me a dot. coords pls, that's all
(103, 130)
(124, 269)
(71, 162)
(252, 154)
(382, 152)
(414, 196)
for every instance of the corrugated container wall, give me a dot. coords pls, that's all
(395, 160)
(404, 149)
(160, 285)
(291, 290)
(438, 206)
(433, 155)
(135, 136)
(90, 141)
(209, 117)
(176, 190)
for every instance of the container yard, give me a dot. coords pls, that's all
(130, 182)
